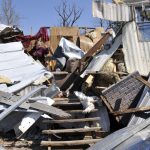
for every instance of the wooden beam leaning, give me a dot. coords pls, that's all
(76, 130)
(71, 78)
(96, 47)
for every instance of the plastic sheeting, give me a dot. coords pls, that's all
(70, 49)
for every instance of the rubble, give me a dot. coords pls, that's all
(80, 91)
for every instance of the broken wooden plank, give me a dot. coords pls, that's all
(49, 110)
(69, 143)
(132, 110)
(73, 120)
(76, 130)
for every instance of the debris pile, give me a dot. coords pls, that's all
(88, 91)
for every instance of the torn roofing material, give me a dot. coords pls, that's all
(111, 11)
(18, 66)
(137, 54)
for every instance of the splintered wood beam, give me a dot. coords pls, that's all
(69, 143)
(73, 120)
(96, 47)
(76, 130)
(143, 81)
(131, 110)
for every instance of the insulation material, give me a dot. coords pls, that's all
(87, 102)
(111, 11)
(137, 54)
(90, 39)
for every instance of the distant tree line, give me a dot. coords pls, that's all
(8, 14)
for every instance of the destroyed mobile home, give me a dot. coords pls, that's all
(72, 91)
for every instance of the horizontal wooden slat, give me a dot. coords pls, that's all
(76, 130)
(79, 111)
(66, 104)
(65, 99)
(73, 120)
(69, 143)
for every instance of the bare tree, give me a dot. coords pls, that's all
(69, 14)
(9, 15)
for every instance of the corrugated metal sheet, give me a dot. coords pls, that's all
(100, 59)
(110, 11)
(137, 54)
(126, 138)
(18, 66)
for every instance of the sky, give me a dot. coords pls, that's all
(38, 13)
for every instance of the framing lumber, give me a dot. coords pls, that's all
(69, 143)
(76, 130)
(73, 120)
(79, 111)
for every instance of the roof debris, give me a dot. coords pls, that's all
(67, 90)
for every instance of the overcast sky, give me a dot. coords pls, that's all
(38, 13)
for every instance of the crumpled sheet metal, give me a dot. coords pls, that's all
(111, 11)
(136, 53)
(127, 138)
(18, 66)
(100, 59)
(70, 49)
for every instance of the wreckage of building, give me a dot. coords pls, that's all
(79, 87)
